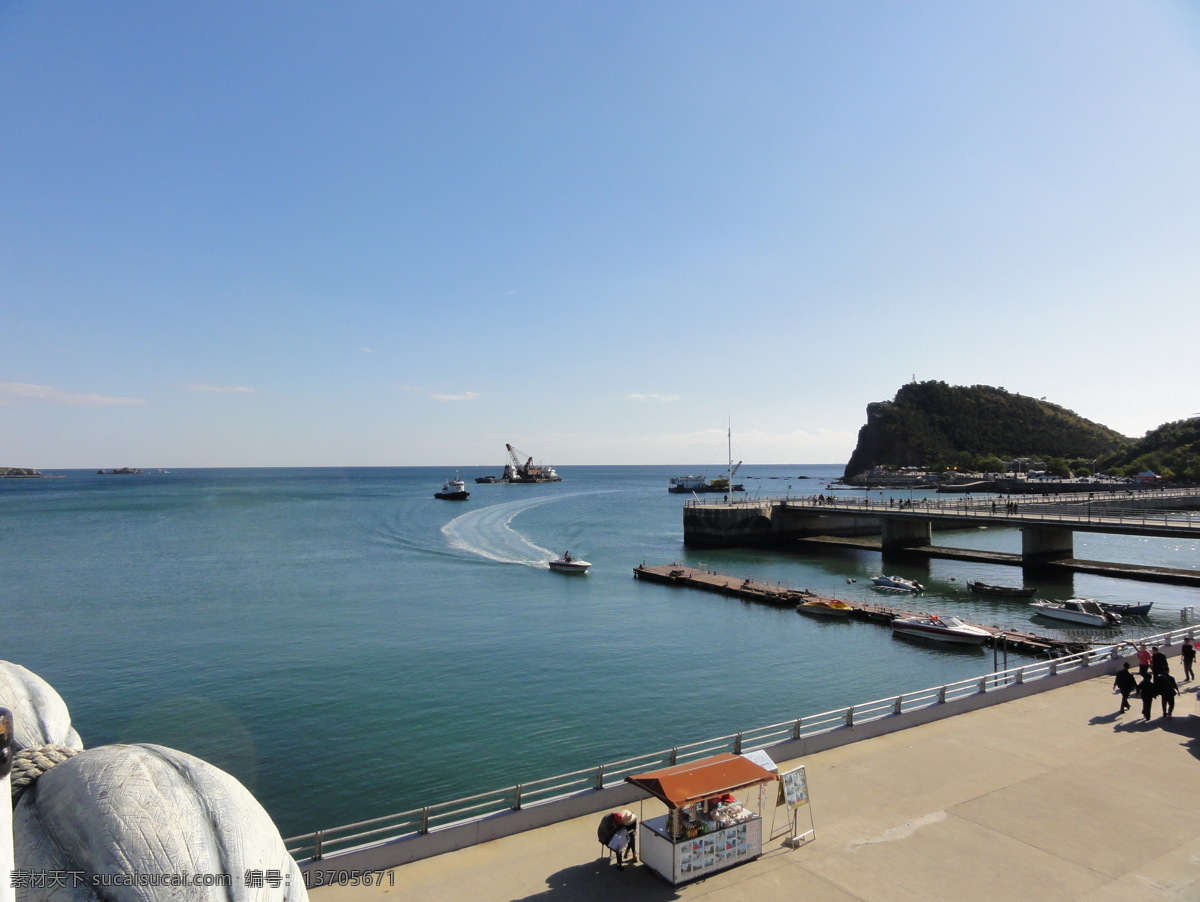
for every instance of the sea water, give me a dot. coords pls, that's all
(348, 646)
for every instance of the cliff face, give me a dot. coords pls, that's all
(928, 423)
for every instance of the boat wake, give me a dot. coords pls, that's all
(488, 533)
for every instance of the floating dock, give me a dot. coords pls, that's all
(783, 597)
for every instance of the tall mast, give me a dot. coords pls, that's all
(729, 453)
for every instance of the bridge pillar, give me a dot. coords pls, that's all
(905, 532)
(1044, 543)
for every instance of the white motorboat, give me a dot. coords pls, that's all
(897, 584)
(943, 629)
(568, 564)
(453, 490)
(1077, 610)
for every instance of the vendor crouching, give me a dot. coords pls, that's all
(618, 831)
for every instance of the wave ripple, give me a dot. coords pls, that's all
(488, 532)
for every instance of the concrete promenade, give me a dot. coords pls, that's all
(1050, 797)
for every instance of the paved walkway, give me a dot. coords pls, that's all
(1051, 797)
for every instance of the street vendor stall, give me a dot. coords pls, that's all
(706, 828)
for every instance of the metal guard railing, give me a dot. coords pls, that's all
(1068, 509)
(321, 843)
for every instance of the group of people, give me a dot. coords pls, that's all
(1154, 679)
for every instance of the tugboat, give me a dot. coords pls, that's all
(453, 490)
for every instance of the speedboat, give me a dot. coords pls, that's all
(897, 584)
(568, 564)
(1008, 591)
(943, 629)
(1077, 610)
(453, 490)
(824, 606)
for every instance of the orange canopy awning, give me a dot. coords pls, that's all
(686, 784)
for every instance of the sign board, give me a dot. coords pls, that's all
(762, 759)
(795, 787)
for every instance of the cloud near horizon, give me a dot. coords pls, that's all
(220, 389)
(465, 396)
(12, 392)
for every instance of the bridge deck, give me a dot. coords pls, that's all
(1147, 572)
(1076, 512)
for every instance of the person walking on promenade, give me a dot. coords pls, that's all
(1188, 655)
(1125, 683)
(1165, 686)
(1158, 661)
(618, 831)
(1146, 691)
(1143, 656)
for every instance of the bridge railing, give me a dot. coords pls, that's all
(1064, 508)
(323, 843)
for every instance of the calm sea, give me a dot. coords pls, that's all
(348, 646)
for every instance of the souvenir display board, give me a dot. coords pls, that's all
(793, 786)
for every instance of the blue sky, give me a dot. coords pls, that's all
(400, 233)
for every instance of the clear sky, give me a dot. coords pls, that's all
(261, 233)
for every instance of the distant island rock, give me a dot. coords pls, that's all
(122, 471)
(19, 473)
(932, 424)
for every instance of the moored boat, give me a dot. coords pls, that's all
(941, 629)
(1126, 610)
(896, 584)
(568, 564)
(1077, 610)
(825, 607)
(682, 485)
(453, 490)
(1007, 591)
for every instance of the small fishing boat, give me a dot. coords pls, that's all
(896, 584)
(1125, 610)
(941, 629)
(1077, 610)
(1007, 591)
(453, 490)
(824, 607)
(568, 564)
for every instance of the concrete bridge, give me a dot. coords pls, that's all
(1047, 524)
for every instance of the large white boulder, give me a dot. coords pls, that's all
(40, 716)
(130, 823)
(159, 820)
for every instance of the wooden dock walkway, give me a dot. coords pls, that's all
(783, 597)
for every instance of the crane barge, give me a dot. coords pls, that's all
(518, 472)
